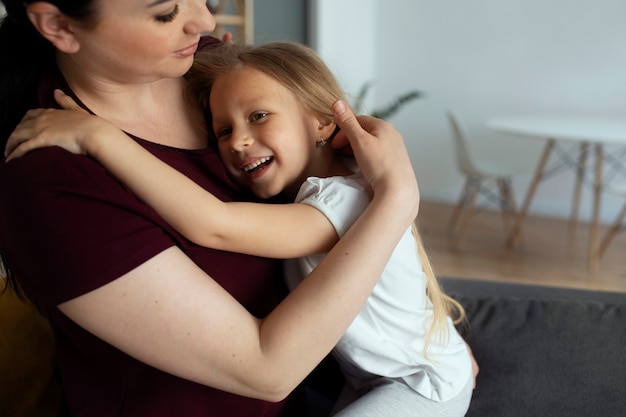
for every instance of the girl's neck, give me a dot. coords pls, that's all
(330, 165)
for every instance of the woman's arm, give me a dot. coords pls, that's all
(270, 230)
(168, 314)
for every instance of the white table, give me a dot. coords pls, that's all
(587, 132)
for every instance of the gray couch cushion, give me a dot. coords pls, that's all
(544, 351)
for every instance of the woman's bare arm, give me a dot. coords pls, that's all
(168, 314)
(270, 230)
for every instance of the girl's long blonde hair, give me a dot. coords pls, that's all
(294, 66)
(304, 73)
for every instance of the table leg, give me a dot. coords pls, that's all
(594, 256)
(580, 176)
(539, 171)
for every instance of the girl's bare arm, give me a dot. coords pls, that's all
(270, 230)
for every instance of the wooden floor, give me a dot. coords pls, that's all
(551, 254)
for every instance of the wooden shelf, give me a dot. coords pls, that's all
(236, 16)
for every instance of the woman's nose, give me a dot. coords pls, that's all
(201, 20)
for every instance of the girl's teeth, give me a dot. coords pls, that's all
(255, 164)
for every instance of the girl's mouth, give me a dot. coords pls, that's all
(258, 165)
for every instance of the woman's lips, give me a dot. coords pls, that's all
(188, 51)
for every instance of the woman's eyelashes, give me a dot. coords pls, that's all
(166, 18)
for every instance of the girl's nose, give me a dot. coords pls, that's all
(240, 141)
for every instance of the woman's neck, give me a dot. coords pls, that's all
(154, 111)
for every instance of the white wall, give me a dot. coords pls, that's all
(344, 33)
(486, 58)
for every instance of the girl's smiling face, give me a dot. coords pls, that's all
(266, 138)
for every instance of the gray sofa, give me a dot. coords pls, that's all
(544, 351)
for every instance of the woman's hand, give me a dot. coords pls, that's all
(475, 367)
(380, 153)
(69, 128)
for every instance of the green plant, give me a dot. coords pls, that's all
(388, 110)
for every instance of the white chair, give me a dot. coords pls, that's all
(494, 186)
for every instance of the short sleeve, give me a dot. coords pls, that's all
(340, 199)
(72, 223)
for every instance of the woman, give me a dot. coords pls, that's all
(146, 322)
(269, 108)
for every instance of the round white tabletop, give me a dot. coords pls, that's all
(568, 128)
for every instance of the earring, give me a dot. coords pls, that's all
(323, 142)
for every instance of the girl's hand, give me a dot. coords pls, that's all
(68, 128)
(380, 153)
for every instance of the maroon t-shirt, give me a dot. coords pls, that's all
(67, 227)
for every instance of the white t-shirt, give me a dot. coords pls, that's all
(387, 337)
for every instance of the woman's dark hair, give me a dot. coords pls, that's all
(26, 56)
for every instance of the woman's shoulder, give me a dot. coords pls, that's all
(46, 167)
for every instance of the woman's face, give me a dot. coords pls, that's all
(142, 40)
(266, 138)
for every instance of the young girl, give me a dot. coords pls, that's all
(270, 110)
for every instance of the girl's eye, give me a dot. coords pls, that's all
(166, 18)
(258, 116)
(223, 134)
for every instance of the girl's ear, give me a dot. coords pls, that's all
(326, 128)
(53, 25)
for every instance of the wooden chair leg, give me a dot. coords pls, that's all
(594, 233)
(508, 212)
(509, 207)
(514, 212)
(580, 177)
(611, 232)
(460, 205)
(468, 213)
